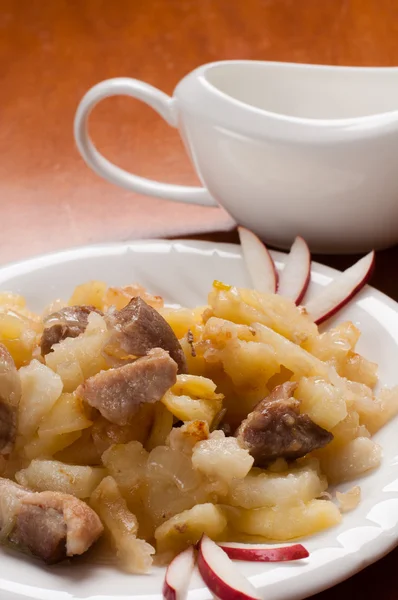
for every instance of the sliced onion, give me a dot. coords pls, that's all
(261, 553)
(340, 291)
(295, 277)
(178, 575)
(220, 574)
(259, 263)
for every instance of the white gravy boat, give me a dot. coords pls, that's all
(286, 149)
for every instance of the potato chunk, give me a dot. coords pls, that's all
(76, 359)
(353, 460)
(55, 476)
(349, 500)
(41, 388)
(193, 398)
(185, 437)
(248, 306)
(126, 463)
(181, 319)
(334, 345)
(187, 528)
(119, 297)
(357, 368)
(302, 363)
(105, 433)
(282, 523)
(47, 446)
(67, 415)
(321, 401)
(135, 555)
(221, 458)
(18, 333)
(161, 428)
(374, 412)
(91, 294)
(264, 489)
(173, 485)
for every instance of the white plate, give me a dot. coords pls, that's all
(182, 272)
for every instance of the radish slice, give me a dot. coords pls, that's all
(178, 575)
(258, 261)
(336, 295)
(220, 574)
(295, 277)
(258, 553)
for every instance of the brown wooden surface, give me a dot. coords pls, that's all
(52, 51)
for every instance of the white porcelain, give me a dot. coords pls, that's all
(183, 271)
(287, 149)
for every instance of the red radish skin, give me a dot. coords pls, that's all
(259, 262)
(295, 277)
(341, 290)
(221, 575)
(258, 553)
(178, 575)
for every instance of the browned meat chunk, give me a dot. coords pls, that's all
(118, 393)
(10, 395)
(276, 429)
(42, 531)
(50, 525)
(70, 321)
(138, 328)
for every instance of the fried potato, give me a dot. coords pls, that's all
(119, 297)
(351, 461)
(193, 398)
(105, 433)
(90, 294)
(186, 528)
(41, 388)
(47, 446)
(42, 475)
(11, 300)
(357, 368)
(172, 484)
(245, 367)
(194, 354)
(161, 428)
(19, 335)
(244, 361)
(376, 412)
(349, 500)
(321, 401)
(182, 319)
(76, 359)
(126, 463)
(248, 364)
(67, 415)
(347, 430)
(248, 306)
(221, 459)
(285, 523)
(81, 452)
(185, 438)
(333, 345)
(336, 346)
(302, 363)
(121, 525)
(291, 486)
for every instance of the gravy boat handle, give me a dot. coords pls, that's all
(165, 106)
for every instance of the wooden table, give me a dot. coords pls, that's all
(52, 51)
